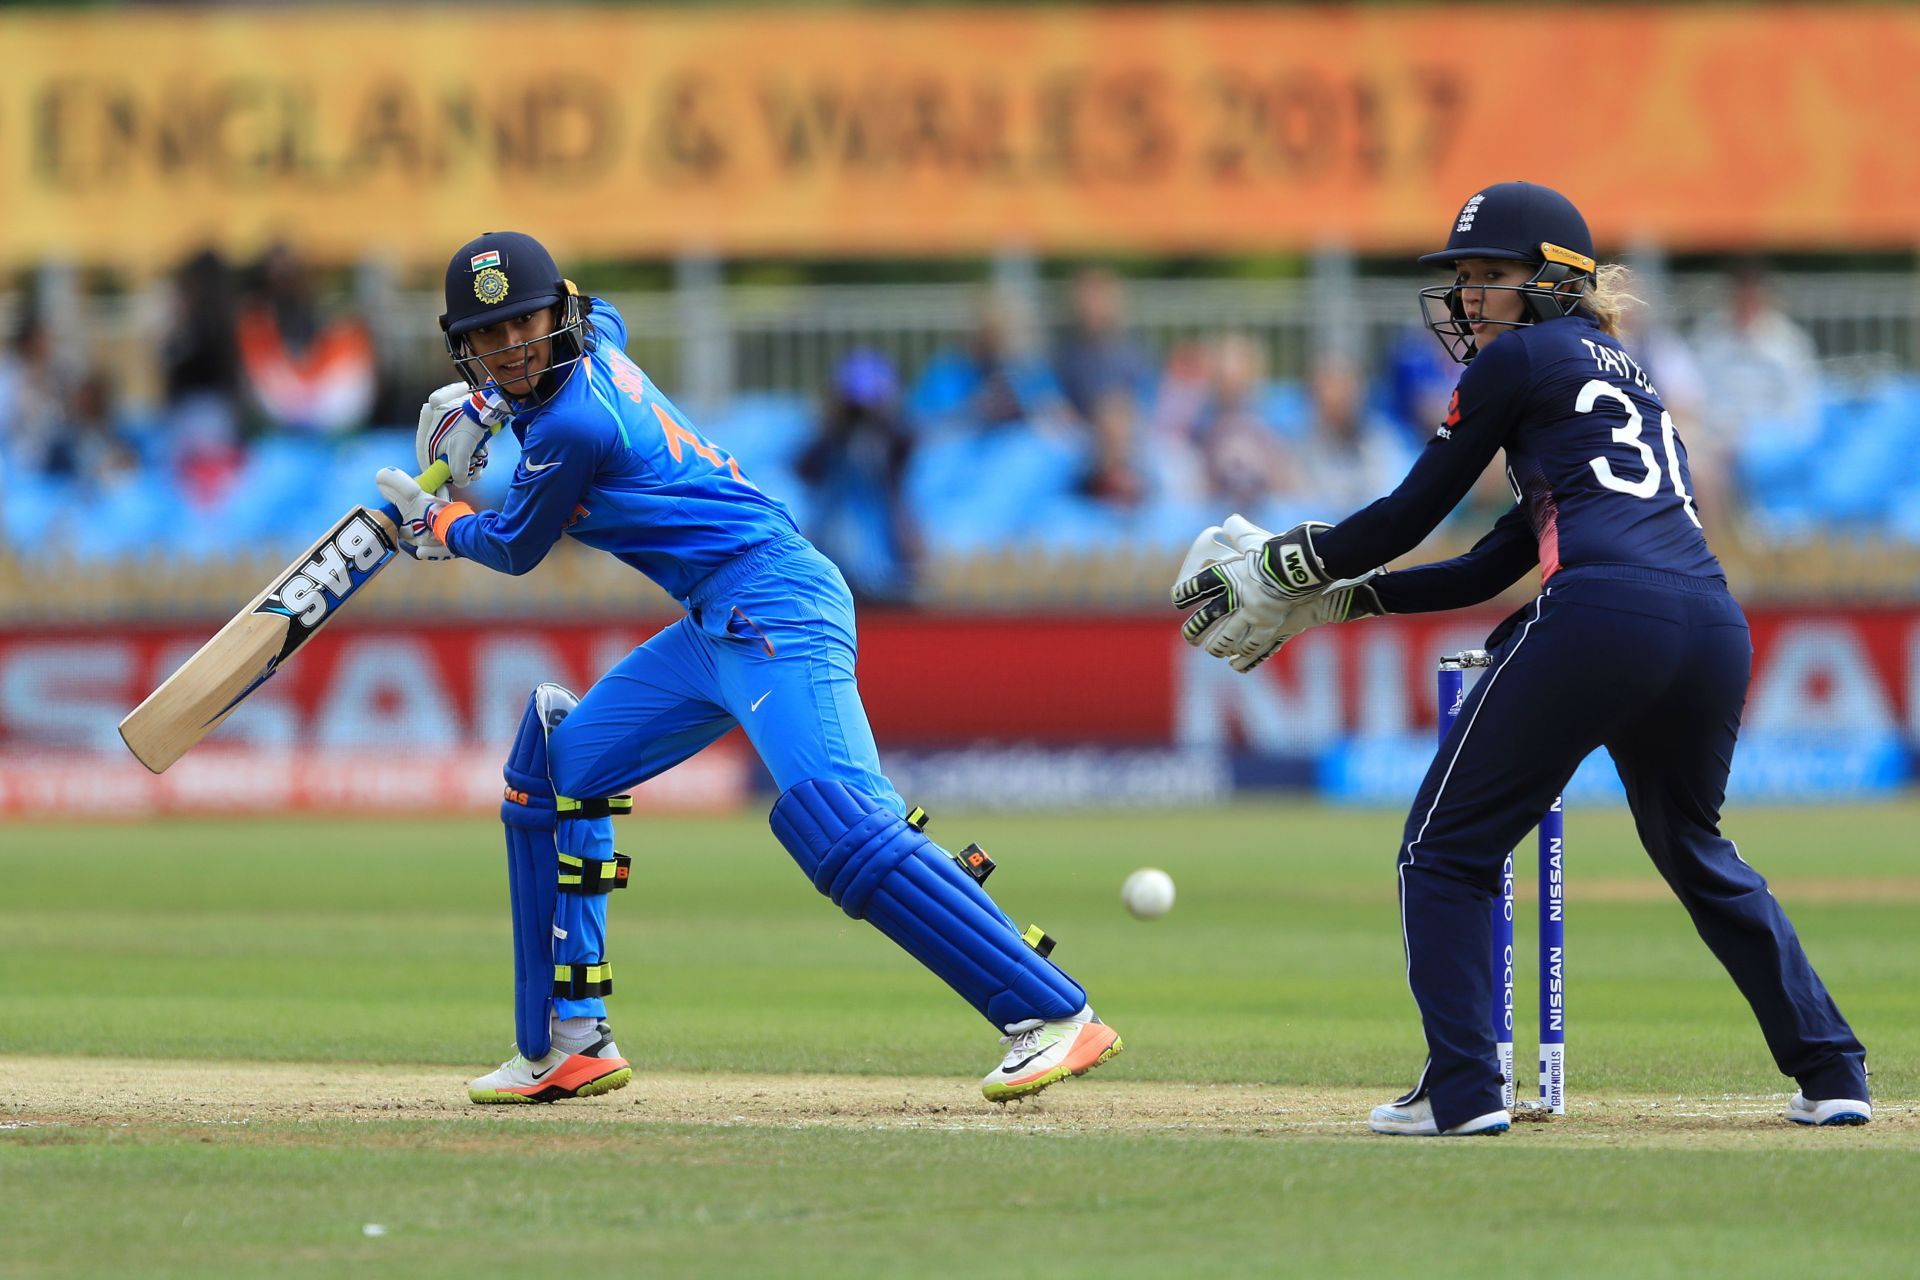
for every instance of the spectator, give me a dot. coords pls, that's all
(1209, 410)
(1419, 380)
(1178, 400)
(1113, 474)
(1676, 373)
(855, 470)
(310, 373)
(1096, 358)
(993, 381)
(1103, 374)
(1351, 455)
(31, 397)
(1758, 369)
(92, 441)
(200, 365)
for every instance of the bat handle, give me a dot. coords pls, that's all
(430, 479)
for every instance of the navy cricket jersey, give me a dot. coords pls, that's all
(1598, 472)
(610, 461)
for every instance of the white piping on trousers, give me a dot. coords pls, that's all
(1406, 861)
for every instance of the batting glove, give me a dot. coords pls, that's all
(456, 423)
(417, 508)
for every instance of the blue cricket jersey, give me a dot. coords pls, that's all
(610, 461)
(1598, 472)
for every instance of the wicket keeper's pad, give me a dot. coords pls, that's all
(874, 866)
(560, 867)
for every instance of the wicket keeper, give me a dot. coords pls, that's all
(767, 642)
(1634, 644)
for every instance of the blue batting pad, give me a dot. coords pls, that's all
(875, 867)
(530, 883)
(534, 840)
(532, 874)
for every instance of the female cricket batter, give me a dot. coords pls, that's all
(1633, 644)
(767, 643)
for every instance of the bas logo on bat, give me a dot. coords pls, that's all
(337, 566)
(244, 654)
(346, 559)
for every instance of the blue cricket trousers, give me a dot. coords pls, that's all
(1654, 667)
(768, 643)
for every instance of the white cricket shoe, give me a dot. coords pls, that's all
(1415, 1120)
(1804, 1110)
(576, 1067)
(1043, 1053)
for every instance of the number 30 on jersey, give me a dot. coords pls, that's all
(1646, 486)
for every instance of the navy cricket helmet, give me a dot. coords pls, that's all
(1515, 222)
(498, 277)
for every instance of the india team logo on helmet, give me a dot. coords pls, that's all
(490, 286)
(480, 294)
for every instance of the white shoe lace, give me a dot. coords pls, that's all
(1023, 1042)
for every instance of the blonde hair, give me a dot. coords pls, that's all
(1605, 295)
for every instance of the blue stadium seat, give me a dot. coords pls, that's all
(1171, 525)
(1076, 525)
(128, 518)
(1285, 408)
(977, 490)
(973, 491)
(763, 429)
(1869, 439)
(37, 513)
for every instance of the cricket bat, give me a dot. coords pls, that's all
(244, 654)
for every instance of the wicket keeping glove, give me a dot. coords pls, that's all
(1235, 597)
(1218, 544)
(1342, 602)
(456, 423)
(416, 507)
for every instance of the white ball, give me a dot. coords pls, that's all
(1148, 893)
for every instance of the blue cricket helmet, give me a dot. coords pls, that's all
(1519, 221)
(1515, 222)
(500, 276)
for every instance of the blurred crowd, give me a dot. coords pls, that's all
(1024, 437)
(243, 353)
(1057, 446)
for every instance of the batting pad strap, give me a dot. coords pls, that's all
(566, 808)
(582, 981)
(591, 875)
(875, 866)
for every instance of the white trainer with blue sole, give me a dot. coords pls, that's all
(1414, 1119)
(1828, 1111)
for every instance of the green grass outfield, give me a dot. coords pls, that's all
(805, 1098)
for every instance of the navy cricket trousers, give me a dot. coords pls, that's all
(1654, 667)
